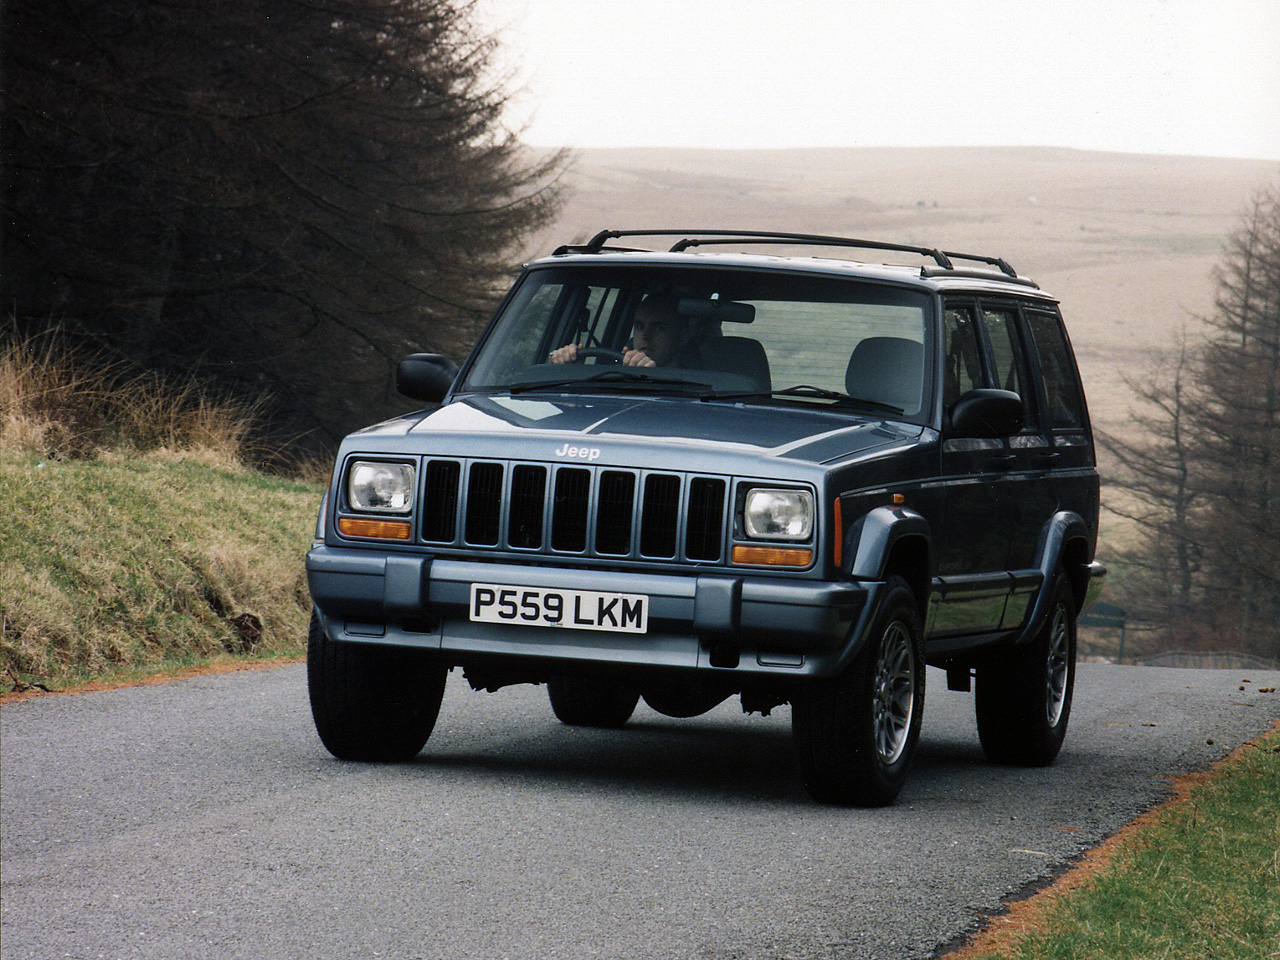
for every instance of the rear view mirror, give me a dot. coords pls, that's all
(697, 308)
(987, 414)
(426, 376)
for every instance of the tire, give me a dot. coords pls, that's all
(1023, 701)
(588, 702)
(855, 734)
(372, 703)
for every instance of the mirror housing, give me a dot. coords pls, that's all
(700, 308)
(426, 376)
(986, 414)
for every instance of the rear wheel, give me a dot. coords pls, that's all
(683, 698)
(588, 702)
(372, 703)
(856, 734)
(1023, 701)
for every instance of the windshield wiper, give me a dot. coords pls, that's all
(805, 390)
(617, 378)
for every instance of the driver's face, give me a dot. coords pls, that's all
(659, 337)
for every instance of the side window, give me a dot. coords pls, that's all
(1058, 370)
(1005, 351)
(962, 370)
(1007, 355)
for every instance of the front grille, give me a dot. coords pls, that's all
(574, 511)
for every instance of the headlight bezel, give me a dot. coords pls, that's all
(398, 482)
(784, 515)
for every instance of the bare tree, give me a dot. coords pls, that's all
(289, 194)
(1238, 433)
(1203, 483)
(1159, 496)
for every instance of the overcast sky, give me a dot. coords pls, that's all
(1197, 77)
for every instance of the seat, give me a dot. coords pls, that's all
(741, 355)
(888, 370)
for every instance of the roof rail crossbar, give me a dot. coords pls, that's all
(695, 238)
(998, 262)
(565, 248)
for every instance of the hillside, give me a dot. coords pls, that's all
(1127, 242)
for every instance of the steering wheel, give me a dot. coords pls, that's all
(599, 353)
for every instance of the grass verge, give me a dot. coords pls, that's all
(133, 538)
(1198, 878)
(149, 562)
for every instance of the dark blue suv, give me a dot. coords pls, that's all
(688, 475)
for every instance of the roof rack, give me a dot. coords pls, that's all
(698, 238)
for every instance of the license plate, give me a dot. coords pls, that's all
(572, 609)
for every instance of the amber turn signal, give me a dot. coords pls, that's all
(773, 556)
(379, 529)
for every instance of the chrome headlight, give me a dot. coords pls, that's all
(380, 487)
(778, 514)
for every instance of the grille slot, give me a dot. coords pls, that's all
(484, 504)
(528, 498)
(440, 501)
(706, 519)
(615, 509)
(569, 513)
(660, 515)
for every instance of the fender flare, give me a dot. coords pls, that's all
(869, 541)
(1063, 528)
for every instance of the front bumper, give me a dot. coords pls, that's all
(721, 622)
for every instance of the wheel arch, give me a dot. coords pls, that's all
(1065, 544)
(892, 541)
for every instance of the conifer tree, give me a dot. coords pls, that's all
(286, 194)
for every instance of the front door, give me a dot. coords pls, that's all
(972, 583)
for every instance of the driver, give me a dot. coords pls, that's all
(660, 337)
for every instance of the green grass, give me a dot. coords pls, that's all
(133, 539)
(122, 563)
(1203, 881)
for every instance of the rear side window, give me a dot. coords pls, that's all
(1058, 370)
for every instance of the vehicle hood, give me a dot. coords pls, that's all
(625, 431)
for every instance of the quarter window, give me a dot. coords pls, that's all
(1061, 385)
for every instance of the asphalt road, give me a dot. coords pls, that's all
(203, 819)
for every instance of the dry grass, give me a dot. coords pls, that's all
(132, 535)
(59, 403)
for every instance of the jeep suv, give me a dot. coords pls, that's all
(833, 474)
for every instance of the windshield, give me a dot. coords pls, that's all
(720, 334)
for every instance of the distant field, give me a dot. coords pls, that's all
(1127, 242)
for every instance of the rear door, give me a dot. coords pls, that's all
(1070, 454)
(1029, 486)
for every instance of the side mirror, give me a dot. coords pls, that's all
(986, 414)
(426, 376)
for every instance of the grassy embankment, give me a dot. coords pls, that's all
(1198, 878)
(133, 537)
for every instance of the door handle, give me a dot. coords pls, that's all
(1002, 463)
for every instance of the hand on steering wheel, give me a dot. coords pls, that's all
(572, 353)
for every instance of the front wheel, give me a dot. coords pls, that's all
(855, 734)
(372, 703)
(1023, 700)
